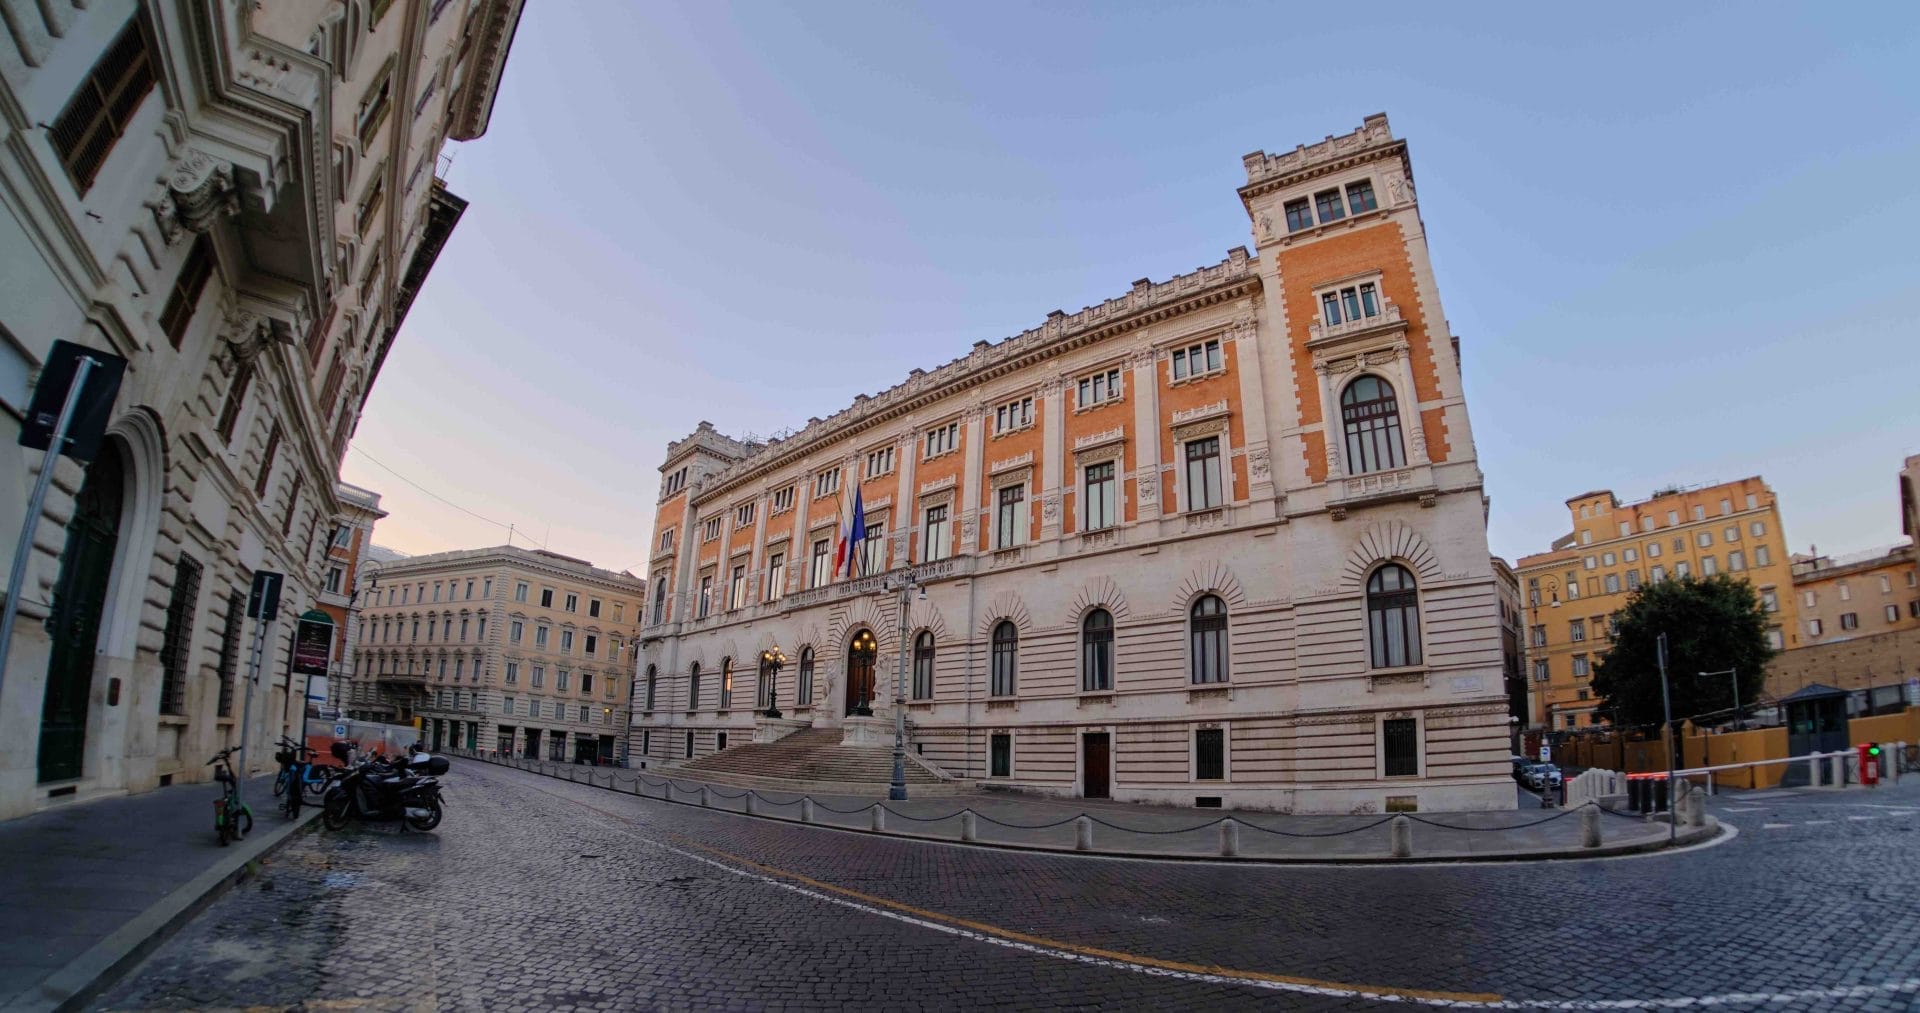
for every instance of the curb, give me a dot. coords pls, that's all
(1688, 837)
(85, 977)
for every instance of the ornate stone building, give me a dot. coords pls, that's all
(1219, 539)
(348, 547)
(241, 200)
(521, 650)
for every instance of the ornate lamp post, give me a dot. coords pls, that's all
(772, 660)
(903, 582)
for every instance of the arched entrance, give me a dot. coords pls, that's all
(860, 656)
(79, 595)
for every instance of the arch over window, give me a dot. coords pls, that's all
(923, 666)
(1096, 651)
(1370, 413)
(1006, 658)
(1207, 636)
(1393, 617)
(804, 696)
(693, 687)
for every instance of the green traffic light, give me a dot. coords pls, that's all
(1873, 750)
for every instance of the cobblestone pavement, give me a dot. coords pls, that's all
(542, 894)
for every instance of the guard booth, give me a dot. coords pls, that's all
(1816, 723)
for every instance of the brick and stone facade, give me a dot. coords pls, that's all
(1138, 467)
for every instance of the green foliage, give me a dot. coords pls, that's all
(1711, 625)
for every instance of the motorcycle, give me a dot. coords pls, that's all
(379, 791)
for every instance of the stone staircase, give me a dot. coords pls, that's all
(810, 759)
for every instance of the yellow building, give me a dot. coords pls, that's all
(1572, 591)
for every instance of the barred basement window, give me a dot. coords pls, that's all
(1402, 750)
(87, 129)
(175, 641)
(187, 288)
(230, 651)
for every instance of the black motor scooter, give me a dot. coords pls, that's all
(405, 790)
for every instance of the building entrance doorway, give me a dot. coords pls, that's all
(1095, 748)
(533, 743)
(79, 595)
(860, 658)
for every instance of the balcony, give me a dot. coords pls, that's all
(1389, 318)
(401, 680)
(1413, 482)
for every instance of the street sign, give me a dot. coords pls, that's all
(1546, 752)
(92, 410)
(263, 602)
(339, 730)
(312, 643)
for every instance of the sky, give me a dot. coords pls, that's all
(1677, 242)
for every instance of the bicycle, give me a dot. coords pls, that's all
(232, 819)
(313, 779)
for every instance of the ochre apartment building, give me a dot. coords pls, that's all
(1571, 592)
(521, 650)
(1219, 539)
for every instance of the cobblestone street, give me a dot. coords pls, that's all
(537, 893)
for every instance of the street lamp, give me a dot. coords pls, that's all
(904, 583)
(772, 660)
(1735, 674)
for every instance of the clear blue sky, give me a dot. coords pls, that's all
(1678, 241)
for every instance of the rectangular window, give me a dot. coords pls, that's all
(540, 636)
(1704, 539)
(1633, 580)
(566, 641)
(236, 397)
(1580, 669)
(1299, 215)
(1327, 203)
(1657, 574)
(506, 705)
(821, 565)
(1101, 496)
(546, 597)
(880, 462)
(1612, 583)
(1736, 561)
(539, 674)
(1577, 630)
(674, 482)
(942, 439)
(743, 515)
(1709, 566)
(513, 673)
(782, 500)
(1196, 360)
(1540, 671)
(1813, 627)
(1769, 600)
(737, 588)
(1732, 534)
(1009, 527)
(1774, 639)
(776, 576)
(520, 591)
(711, 530)
(873, 549)
(1209, 754)
(1893, 613)
(515, 631)
(1203, 474)
(826, 483)
(706, 596)
(561, 680)
(593, 608)
(1000, 755)
(1013, 415)
(228, 665)
(1757, 529)
(1846, 593)
(1401, 747)
(1360, 196)
(572, 601)
(1099, 388)
(1849, 620)
(87, 129)
(1762, 556)
(182, 605)
(1538, 636)
(937, 540)
(187, 288)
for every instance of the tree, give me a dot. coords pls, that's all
(1711, 625)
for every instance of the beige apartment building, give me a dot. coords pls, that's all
(1571, 592)
(1856, 596)
(1220, 539)
(521, 650)
(240, 199)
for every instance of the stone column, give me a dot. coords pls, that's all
(756, 567)
(1144, 377)
(1253, 417)
(904, 517)
(967, 515)
(1409, 401)
(799, 547)
(1053, 463)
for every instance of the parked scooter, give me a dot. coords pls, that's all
(384, 791)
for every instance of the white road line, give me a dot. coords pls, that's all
(1814, 823)
(1910, 985)
(1857, 818)
(1744, 808)
(1775, 826)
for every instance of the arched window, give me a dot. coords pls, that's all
(1393, 617)
(923, 666)
(1006, 658)
(1096, 651)
(693, 688)
(1371, 415)
(764, 688)
(653, 681)
(805, 695)
(726, 683)
(1207, 636)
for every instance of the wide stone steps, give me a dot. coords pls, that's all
(814, 754)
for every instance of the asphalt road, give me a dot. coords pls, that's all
(538, 894)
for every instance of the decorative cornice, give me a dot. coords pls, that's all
(1010, 463)
(1114, 435)
(1266, 173)
(1205, 411)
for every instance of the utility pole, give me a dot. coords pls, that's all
(1666, 707)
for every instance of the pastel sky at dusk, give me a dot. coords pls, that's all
(1677, 241)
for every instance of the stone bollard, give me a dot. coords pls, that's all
(1402, 837)
(1837, 771)
(806, 809)
(969, 830)
(1083, 834)
(879, 822)
(1813, 772)
(1229, 838)
(751, 811)
(1590, 826)
(703, 796)
(1891, 774)
(1697, 809)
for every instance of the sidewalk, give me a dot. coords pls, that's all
(88, 889)
(1120, 828)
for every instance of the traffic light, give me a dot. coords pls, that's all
(1873, 749)
(1870, 763)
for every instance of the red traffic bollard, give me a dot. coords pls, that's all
(1869, 763)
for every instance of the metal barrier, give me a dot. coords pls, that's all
(1226, 837)
(1824, 770)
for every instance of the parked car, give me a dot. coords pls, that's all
(1542, 776)
(1520, 765)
